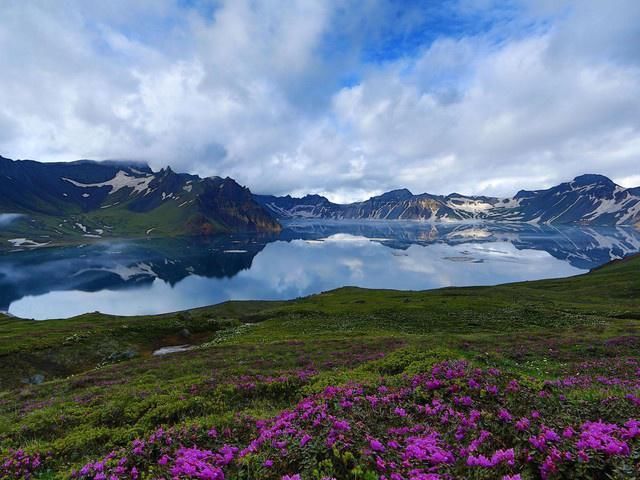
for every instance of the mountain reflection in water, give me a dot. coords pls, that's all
(161, 275)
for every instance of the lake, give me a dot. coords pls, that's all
(163, 275)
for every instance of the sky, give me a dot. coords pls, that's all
(346, 98)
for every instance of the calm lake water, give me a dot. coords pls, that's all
(155, 276)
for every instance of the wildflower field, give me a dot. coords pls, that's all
(537, 380)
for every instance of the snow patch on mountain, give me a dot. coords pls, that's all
(121, 180)
(469, 204)
(25, 242)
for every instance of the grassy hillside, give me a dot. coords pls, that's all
(365, 363)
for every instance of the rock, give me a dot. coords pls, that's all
(125, 355)
(184, 333)
(36, 379)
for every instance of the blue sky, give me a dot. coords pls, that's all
(340, 97)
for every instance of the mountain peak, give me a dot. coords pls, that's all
(314, 197)
(592, 178)
(399, 194)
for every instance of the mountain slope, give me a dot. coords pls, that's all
(592, 199)
(588, 199)
(95, 199)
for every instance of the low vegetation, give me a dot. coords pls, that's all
(529, 380)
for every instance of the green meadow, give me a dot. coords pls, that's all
(75, 389)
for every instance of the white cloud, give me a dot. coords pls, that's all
(245, 89)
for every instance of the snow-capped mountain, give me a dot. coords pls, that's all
(96, 199)
(588, 199)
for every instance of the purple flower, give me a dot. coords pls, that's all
(376, 445)
(504, 415)
(523, 424)
(341, 425)
(401, 412)
(602, 437)
(306, 438)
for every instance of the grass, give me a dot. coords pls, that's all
(167, 220)
(103, 387)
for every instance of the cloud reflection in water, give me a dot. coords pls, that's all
(284, 270)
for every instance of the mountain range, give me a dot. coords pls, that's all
(587, 199)
(41, 203)
(96, 199)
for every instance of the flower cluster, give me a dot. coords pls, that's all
(453, 421)
(19, 464)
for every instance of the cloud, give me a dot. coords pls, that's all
(7, 218)
(344, 98)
